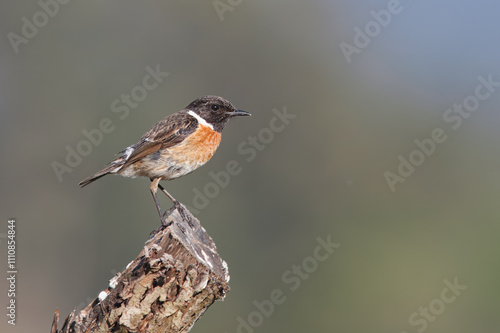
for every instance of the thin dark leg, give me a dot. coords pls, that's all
(168, 194)
(153, 188)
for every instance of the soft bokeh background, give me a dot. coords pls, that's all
(322, 175)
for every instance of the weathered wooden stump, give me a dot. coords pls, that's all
(170, 284)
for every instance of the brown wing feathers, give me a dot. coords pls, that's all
(167, 133)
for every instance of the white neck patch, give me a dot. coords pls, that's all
(201, 121)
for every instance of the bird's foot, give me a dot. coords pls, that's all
(177, 205)
(157, 230)
(163, 224)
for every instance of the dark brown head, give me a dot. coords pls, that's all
(215, 110)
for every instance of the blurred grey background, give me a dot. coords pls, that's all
(364, 80)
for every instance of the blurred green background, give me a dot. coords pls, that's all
(322, 174)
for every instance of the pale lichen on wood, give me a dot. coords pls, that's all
(170, 284)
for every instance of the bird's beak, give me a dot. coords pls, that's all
(239, 113)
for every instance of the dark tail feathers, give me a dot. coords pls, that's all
(114, 165)
(97, 175)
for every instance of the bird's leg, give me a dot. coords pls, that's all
(176, 203)
(168, 195)
(153, 188)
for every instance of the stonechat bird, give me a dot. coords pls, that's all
(177, 145)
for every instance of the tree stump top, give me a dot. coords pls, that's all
(166, 288)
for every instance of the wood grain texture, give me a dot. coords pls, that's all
(166, 288)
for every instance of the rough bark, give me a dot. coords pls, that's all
(170, 284)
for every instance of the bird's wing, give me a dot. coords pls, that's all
(169, 132)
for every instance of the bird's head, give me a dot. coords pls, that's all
(215, 110)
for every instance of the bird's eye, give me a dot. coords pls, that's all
(215, 107)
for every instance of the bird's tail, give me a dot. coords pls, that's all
(111, 168)
(97, 175)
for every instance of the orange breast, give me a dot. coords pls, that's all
(199, 147)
